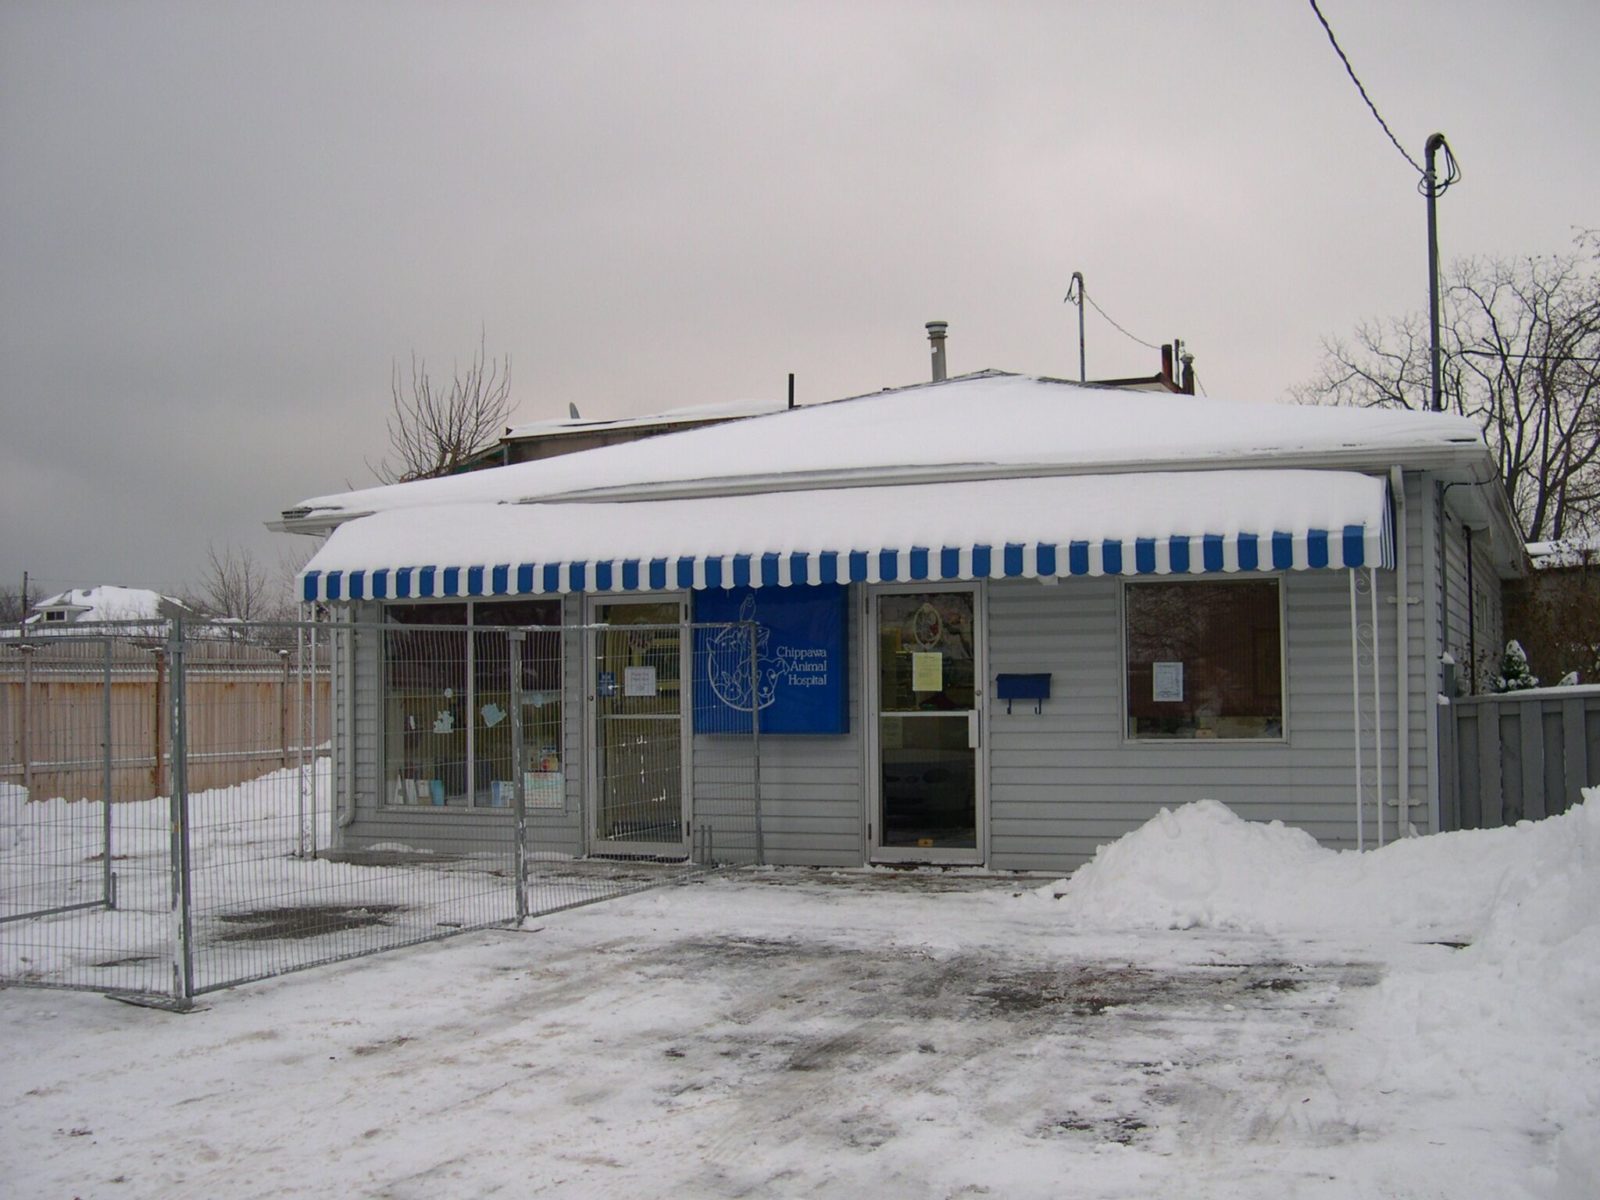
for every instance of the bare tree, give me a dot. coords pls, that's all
(239, 585)
(434, 429)
(12, 610)
(1520, 350)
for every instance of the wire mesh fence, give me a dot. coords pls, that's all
(81, 722)
(185, 809)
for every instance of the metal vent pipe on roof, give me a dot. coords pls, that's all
(936, 332)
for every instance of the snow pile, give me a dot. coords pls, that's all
(1201, 866)
(1509, 1021)
(1197, 866)
(1516, 1015)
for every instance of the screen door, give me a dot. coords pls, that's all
(636, 696)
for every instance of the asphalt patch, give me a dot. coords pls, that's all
(304, 921)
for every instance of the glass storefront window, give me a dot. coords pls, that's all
(447, 688)
(1204, 660)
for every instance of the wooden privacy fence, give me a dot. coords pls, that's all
(76, 712)
(1518, 755)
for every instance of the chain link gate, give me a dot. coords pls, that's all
(86, 887)
(184, 809)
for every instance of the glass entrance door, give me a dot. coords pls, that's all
(928, 726)
(636, 678)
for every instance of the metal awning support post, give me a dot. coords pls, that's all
(1355, 702)
(519, 777)
(1377, 703)
(755, 735)
(302, 828)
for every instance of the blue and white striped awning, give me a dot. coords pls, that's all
(1172, 523)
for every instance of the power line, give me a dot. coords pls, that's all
(1452, 170)
(1351, 71)
(1118, 328)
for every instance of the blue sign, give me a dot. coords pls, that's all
(799, 676)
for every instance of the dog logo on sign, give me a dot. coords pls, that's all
(729, 669)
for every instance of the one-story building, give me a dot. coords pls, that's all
(1003, 618)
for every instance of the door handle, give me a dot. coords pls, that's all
(973, 730)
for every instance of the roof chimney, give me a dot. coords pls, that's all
(936, 330)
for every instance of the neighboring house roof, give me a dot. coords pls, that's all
(568, 435)
(107, 602)
(678, 416)
(988, 425)
(1566, 552)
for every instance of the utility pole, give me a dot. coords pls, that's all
(1077, 295)
(1431, 190)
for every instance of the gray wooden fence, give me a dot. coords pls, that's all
(1518, 756)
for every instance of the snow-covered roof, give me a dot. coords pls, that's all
(1567, 552)
(676, 416)
(988, 425)
(1150, 523)
(107, 602)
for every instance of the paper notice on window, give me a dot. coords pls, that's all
(927, 671)
(544, 789)
(639, 681)
(893, 735)
(1167, 681)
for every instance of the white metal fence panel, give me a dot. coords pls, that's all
(178, 829)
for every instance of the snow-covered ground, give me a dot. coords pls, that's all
(265, 896)
(1210, 1009)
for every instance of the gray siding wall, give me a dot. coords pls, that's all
(812, 786)
(357, 718)
(1472, 627)
(1064, 782)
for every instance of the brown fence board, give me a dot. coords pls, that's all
(246, 704)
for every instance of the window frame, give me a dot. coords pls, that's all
(472, 760)
(1129, 738)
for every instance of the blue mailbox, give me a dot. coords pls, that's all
(1023, 687)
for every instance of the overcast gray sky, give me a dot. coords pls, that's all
(221, 223)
